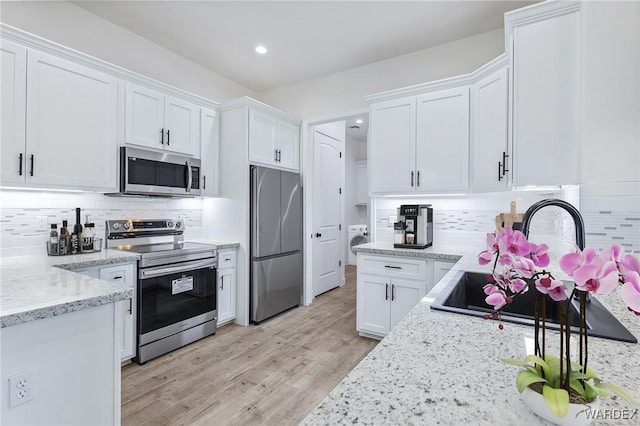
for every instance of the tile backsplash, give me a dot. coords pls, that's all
(19, 210)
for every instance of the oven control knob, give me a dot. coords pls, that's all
(170, 224)
(178, 224)
(126, 225)
(116, 226)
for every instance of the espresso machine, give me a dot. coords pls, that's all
(414, 229)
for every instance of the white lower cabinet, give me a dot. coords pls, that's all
(388, 287)
(440, 269)
(226, 286)
(124, 273)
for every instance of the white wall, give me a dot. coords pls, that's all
(344, 91)
(353, 152)
(74, 27)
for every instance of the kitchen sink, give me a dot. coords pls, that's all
(467, 297)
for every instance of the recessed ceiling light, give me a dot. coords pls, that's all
(261, 49)
(359, 121)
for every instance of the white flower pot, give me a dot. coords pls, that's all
(576, 415)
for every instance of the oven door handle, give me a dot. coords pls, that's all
(183, 267)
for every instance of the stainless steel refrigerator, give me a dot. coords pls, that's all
(276, 242)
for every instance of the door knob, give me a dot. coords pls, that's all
(318, 235)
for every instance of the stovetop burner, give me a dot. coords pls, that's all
(164, 247)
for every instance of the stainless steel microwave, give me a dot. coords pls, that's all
(144, 172)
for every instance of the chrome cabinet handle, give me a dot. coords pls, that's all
(222, 281)
(386, 292)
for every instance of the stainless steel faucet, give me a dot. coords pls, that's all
(578, 221)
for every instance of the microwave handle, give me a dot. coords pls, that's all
(189, 176)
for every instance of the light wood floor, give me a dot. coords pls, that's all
(272, 374)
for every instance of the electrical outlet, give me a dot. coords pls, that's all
(41, 223)
(20, 388)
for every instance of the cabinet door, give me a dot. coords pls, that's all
(546, 85)
(405, 294)
(442, 141)
(440, 269)
(226, 295)
(288, 144)
(71, 125)
(144, 117)
(262, 138)
(373, 307)
(392, 146)
(489, 138)
(181, 126)
(125, 274)
(13, 89)
(209, 153)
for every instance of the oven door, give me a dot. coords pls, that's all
(156, 173)
(172, 297)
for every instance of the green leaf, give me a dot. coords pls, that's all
(514, 361)
(557, 400)
(577, 386)
(591, 391)
(525, 378)
(591, 374)
(619, 390)
(541, 362)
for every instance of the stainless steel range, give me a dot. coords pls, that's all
(176, 284)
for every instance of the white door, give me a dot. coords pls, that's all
(327, 169)
(489, 141)
(209, 153)
(288, 145)
(374, 297)
(144, 117)
(71, 124)
(13, 89)
(442, 141)
(181, 126)
(262, 138)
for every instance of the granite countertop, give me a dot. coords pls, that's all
(448, 253)
(220, 245)
(39, 286)
(444, 368)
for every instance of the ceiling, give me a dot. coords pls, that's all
(306, 39)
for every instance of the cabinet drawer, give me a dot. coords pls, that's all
(125, 274)
(226, 259)
(393, 266)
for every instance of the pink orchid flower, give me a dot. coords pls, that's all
(485, 257)
(524, 267)
(539, 254)
(572, 261)
(513, 242)
(518, 285)
(554, 288)
(597, 276)
(629, 263)
(631, 291)
(496, 299)
(490, 289)
(492, 242)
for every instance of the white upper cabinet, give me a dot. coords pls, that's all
(273, 141)
(442, 145)
(545, 63)
(489, 133)
(392, 146)
(209, 153)
(159, 121)
(14, 91)
(71, 125)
